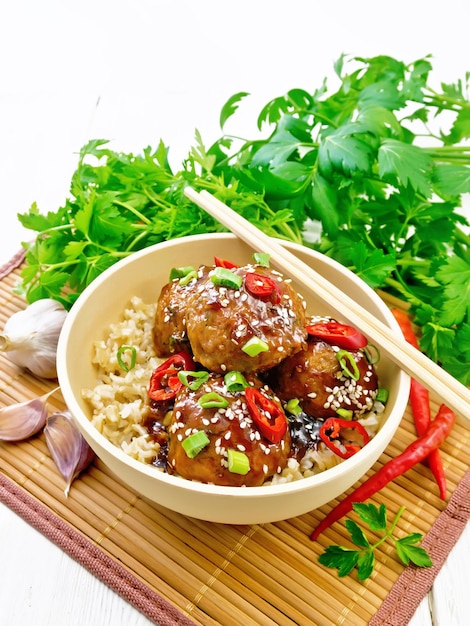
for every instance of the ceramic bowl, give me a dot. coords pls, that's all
(143, 274)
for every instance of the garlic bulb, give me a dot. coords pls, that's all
(30, 337)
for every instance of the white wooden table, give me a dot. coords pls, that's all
(135, 71)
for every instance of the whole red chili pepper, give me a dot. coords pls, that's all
(420, 406)
(438, 430)
(333, 434)
(267, 415)
(164, 382)
(263, 287)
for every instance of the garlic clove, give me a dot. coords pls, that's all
(69, 449)
(30, 337)
(24, 419)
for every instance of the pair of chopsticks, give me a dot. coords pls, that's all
(412, 361)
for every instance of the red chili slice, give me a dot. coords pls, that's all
(180, 361)
(333, 433)
(164, 382)
(336, 334)
(263, 287)
(224, 263)
(267, 415)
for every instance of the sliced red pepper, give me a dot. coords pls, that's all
(224, 263)
(263, 287)
(333, 433)
(337, 334)
(164, 382)
(267, 415)
(180, 361)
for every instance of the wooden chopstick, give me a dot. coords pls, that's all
(450, 391)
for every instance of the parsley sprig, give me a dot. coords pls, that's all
(371, 172)
(345, 560)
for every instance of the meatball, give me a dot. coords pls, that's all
(230, 427)
(316, 378)
(251, 327)
(169, 332)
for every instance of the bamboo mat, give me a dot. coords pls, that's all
(178, 570)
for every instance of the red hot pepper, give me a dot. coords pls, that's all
(420, 406)
(263, 287)
(336, 334)
(218, 262)
(334, 434)
(438, 431)
(180, 361)
(267, 415)
(164, 382)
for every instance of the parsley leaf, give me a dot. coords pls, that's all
(345, 560)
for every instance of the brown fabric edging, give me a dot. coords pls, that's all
(415, 582)
(90, 556)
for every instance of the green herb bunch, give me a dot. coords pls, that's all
(360, 174)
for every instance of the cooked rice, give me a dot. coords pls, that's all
(119, 398)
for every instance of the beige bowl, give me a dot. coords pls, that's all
(143, 274)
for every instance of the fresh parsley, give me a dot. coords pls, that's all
(370, 172)
(345, 560)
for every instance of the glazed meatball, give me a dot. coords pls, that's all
(224, 322)
(316, 378)
(169, 331)
(227, 428)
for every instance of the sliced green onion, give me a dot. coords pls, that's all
(238, 462)
(372, 356)
(223, 277)
(188, 278)
(195, 443)
(348, 364)
(193, 380)
(346, 414)
(181, 272)
(235, 381)
(122, 364)
(293, 406)
(262, 258)
(382, 395)
(254, 346)
(212, 400)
